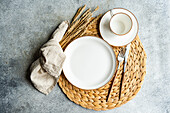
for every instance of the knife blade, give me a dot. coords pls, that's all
(126, 56)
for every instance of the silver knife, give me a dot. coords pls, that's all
(126, 55)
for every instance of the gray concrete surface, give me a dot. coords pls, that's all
(26, 24)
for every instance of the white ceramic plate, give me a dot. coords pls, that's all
(109, 36)
(90, 62)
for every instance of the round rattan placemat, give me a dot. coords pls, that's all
(132, 82)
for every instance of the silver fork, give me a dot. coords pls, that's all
(120, 58)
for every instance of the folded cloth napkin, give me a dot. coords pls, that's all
(46, 70)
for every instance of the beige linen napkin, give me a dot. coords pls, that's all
(46, 70)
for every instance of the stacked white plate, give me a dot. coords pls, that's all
(90, 62)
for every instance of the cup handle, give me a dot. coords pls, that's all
(111, 12)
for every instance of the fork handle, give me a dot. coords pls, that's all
(109, 93)
(118, 66)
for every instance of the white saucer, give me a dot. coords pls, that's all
(110, 37)
(90, 62)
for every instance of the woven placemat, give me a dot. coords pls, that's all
(133, 79)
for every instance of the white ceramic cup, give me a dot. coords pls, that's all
(121, 23)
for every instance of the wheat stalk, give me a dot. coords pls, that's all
(79, 25)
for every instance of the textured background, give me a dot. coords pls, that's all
(26, 24)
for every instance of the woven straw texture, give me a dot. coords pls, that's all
(132, 82)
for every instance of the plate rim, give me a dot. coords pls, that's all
(136, 22)
(115, 62)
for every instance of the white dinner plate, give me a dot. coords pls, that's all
(90, 62)
(109, 36)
